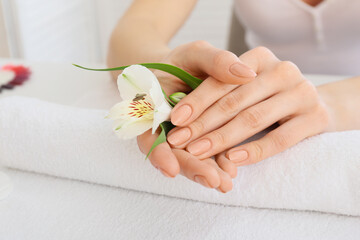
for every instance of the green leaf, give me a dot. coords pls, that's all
(165, 128)
(186, 77)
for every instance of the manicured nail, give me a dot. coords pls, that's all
(202, 181)
(199, 147)
(165, 173)
(241, 70)
(238, 156)
(179, 136)
(181, 114)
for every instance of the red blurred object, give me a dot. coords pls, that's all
(22, 73)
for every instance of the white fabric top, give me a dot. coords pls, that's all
(324, 39)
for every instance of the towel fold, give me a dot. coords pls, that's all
(321, 173)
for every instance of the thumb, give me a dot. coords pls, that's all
(225, 66)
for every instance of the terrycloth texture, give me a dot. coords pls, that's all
(5, 185)
(320, 174)
(43, 208)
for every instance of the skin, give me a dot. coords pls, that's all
(240, 96)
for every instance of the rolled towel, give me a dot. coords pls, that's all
(321, 173)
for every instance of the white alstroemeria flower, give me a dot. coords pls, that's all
(6, 77)
(144, 105)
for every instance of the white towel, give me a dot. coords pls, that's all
(318, 174)
(43, 208)
(5, 186)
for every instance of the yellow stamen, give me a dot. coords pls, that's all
(140, 108)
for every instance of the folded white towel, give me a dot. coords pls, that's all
(43, 208)
(321, 173)
(5, 186)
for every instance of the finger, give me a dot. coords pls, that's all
(283, 137)
(246, 124)
(222, 65)
(161, 157)
(191, 106)
(226, 165)
(196, 170)
(223, 110)
(259, 59)
(226, 183)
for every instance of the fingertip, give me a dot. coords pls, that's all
(163, 158)
(242, 71)
(211, 174)
(224, 188)
(232, 170)
(226, 165)
(180, 114)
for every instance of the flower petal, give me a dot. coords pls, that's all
(121, 110)
(135, 79)
(161, 114)
(157, 94)
(162, 107)
(134, 129)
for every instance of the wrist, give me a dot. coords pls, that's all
(342, 99)
(330, 105)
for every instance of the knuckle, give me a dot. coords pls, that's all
(280, 141)
(257, 152)
(263, 51)
(287, 69)
(251, 118)
(306, 88)
(307, 92)
(199, 44)
(219, 137)
(195, 100)
(197, 127)
(229, 104)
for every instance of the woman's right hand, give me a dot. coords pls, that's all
(214, 66)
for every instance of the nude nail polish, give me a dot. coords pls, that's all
(179, 136)
(238, 156)
(241, 70)
(199, 147)
(202, 181)
(181, 114)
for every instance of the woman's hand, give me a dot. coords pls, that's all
(218, 116)
(207, 62)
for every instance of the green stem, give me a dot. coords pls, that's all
(186, 77)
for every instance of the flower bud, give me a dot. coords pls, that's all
(176, 97)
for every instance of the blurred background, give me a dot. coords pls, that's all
(78, 30)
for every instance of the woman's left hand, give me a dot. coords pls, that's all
(279, 94)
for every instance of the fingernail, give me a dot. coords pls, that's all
(241, 70)
(179, 136)
(238, 156)
(165, 173)
(181, 114)
(202, 181)
(199, 147)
